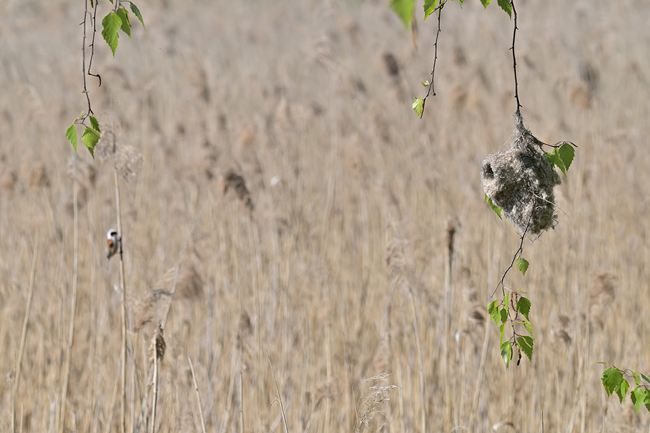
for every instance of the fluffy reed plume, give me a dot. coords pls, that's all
(35, 175)
(157, 347)
(370, 401)
(237, 183)
(326, 388)
(394, 255)
(188, 287)
(128, 162)
(8, 180)
(81, 171)
(601, 295)
(126, 159)
(391, 65)
(451, 228)
(207, 159)
(560, 331)
(146, 308)
(579, 95)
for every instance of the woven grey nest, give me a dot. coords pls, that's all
(520, 180)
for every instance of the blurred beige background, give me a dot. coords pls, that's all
(338, 246)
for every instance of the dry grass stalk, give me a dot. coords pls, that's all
(23, 336)
(73, 309)
(156, 354)
(198, 396)
(284, 417)
(123, 298)
(382, 361)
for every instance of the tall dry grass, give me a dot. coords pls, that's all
(296, 105)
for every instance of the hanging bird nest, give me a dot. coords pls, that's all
(520, 180)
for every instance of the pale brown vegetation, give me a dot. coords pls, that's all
(339, 273)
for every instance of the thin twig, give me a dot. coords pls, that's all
(514, 58)
(73, 308)
(435, 60)
(519, 251)
(92, 51)
(198, 397)
(23, 335)
(284, 418)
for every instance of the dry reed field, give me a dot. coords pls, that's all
(336, 250)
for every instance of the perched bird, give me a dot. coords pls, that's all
(112, 243)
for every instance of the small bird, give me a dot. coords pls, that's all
(112, 243)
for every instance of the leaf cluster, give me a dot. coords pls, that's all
(90, 135)
(500, 312)
(405, 9)
(615, 382)
(562, 156)
(117, 19)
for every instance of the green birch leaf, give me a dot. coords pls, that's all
(523, 306)
(504, 315)
(555, 160)
(566, 153)
(501, 329)
(94, 123)
(137, 13)
(646, 400)
(611, 379)
(111, 23)
(637, 396)
(71, 135)
(526, 346)
(404, 10)
(485, 3)
(506, 301)
(90, 137)
(506, 352)
(506, 6)
(529, 327)
(522, 265)
(637, 379)
(429, 7)
(418, 106)
(622, 390)
(126, 22)
(645, 378)
(493, 311)
(497, 210)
